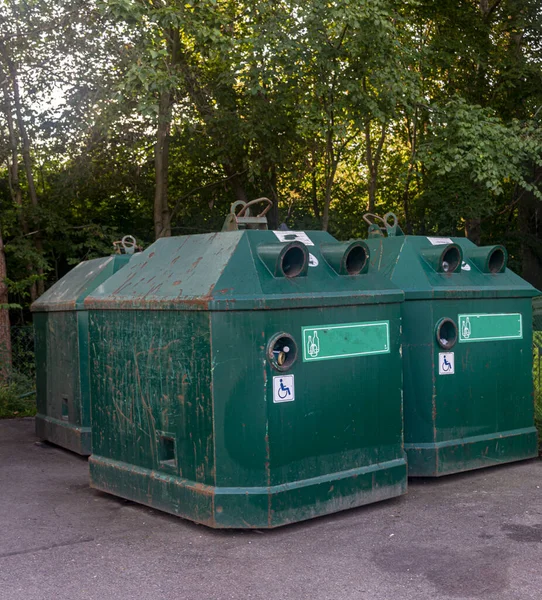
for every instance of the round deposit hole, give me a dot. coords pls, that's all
(451, 259)
(282, 351)
(293, 261)
(446, 333)
(496, 261)
(356, 258)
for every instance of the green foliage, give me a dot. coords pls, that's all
(14, 401)
(476, 144)
(429, 109)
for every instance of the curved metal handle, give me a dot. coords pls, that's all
(236, 205)
(128, 243)
(241, 213)
(368, 216)
(387, 218)
(370, 219)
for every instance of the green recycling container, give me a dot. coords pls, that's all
(61, 348)
(467, 351)
(247, 379)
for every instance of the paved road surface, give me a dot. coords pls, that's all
(476, 535)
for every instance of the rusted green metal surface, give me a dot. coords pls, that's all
(206, 402)
(61, 343)
(467, 335)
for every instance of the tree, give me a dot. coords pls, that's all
(352, 70)
(31, 36)
(150, 116)
(5, 332)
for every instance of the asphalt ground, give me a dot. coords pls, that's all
(474, 535)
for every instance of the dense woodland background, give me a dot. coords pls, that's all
(149, 117)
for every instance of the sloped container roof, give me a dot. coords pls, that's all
(404, 260)
(230, 271)
(69, 292)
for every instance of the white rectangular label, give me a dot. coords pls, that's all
(283, 388)
(325, 342)
(438, 241)
(446, 363)
(294, 236)
(490, 327)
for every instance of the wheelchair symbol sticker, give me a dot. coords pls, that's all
(283, 388)
(446, 363)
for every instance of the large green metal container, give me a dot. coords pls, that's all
(247, 379)
(61, 347)
(467, 336)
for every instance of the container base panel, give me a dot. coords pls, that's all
(456, 456)
(64, 434)
(252, 507)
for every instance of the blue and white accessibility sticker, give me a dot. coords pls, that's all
(446, 363)
(283, 388)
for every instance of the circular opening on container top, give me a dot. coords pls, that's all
(496, 260)
(282, 351)
(446, 333)
(293, 261)
(356, 258)
(450, 259)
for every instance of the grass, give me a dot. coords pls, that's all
(11, 403)
(537, 377)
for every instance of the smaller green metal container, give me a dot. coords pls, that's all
(61, 347)
(467, 351)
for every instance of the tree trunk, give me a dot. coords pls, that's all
(27, 159)
(162, 225)
(406, 201)
(161, 210)
(327, 199)
(13, 162)
(13, 174)
(412, 138)
(325, 215)
(236, 185)
(530, 226)
(331, 163)
(5, 330)
(473, 230)
(202, 100)
(38, 287)
(314, 188)
(372, 191)
(373, 162)
(273, 214)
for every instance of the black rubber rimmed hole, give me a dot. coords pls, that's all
(450, 260)
(282, 351)
(293, 261)
(496, 260)
(356, 258)
(446, 333)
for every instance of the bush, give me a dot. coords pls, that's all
(11, 402)
(538, 414)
